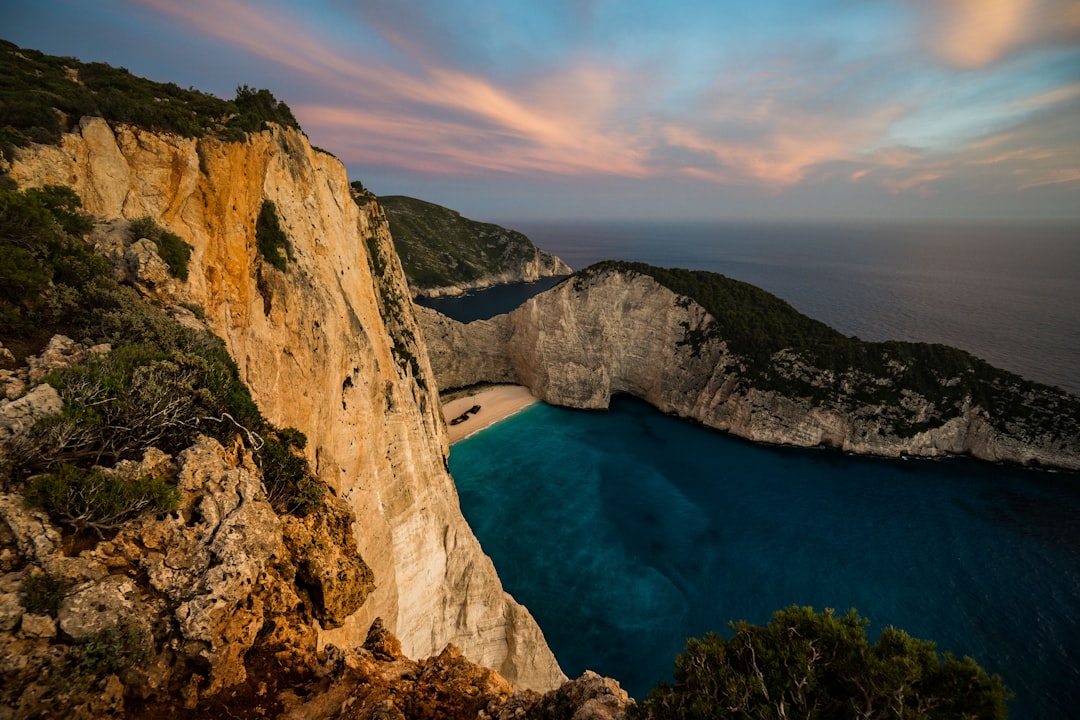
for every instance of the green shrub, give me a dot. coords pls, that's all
(43, 593)
(99, 500)
(817, 665)
(290, 486)
(175, 252)
(44, 268)
(108, 652)
(270, 239)
(43, 96)
(65, 205)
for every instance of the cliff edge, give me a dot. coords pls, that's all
(755, 368)
(329, 346)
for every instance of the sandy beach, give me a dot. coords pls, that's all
(496, 403)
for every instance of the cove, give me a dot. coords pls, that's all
(627, 531)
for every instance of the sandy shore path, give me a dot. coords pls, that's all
(496, 403)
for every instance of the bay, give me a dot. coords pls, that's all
(627, 531)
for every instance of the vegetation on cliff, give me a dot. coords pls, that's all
(160, 385)
(42, 96)
(270, 239)
(173, 250)
(787, 352)
(818, 665)
(440, 248)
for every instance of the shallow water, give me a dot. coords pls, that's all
(625, 532)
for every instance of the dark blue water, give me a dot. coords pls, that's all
(486, 303)
(625, 532)
(1006, 293)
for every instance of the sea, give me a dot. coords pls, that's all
(627, 531)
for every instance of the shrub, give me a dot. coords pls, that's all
(43, 593)
(817, 665)
(175, 252)
(107, 653)
(97, 499)
(65, 205)
(257, 107)
(42, 96)
(290, 486)
(270, 239)
(44, 268)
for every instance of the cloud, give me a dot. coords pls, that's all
(771, 118)
(971, 34)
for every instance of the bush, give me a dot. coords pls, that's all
(816, 665)
(270, 239)
(44, 266)
(43, 593)
(107, 653)
(175, 252)
(97, 499)
(290, 486)
(43, 96)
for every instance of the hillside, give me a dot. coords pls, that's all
(444, 253)
(739, 359)
(221, 456)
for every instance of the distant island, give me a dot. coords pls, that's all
(444, 253)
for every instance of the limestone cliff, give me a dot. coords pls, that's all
(444, 253)
(330, 347)
(616, 331)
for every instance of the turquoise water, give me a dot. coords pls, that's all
(625, 532)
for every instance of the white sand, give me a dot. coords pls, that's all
(496, 403)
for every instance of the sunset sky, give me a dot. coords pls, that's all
(569, 109)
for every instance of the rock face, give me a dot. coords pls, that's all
(329, 347)
(188, 596)
(592, 337)
(377, 681)
(444, 253)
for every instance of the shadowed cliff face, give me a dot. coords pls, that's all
(329, 347)
(614, 332)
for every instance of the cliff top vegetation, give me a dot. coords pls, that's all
(440, 248)
(42, 96)
(786, 351)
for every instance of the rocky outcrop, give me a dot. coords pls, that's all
(329, 347)
(377, 681)
(444, 253)
(168, 609)
(613, 332)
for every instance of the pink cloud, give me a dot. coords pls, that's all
(762, 125)
(973, 33)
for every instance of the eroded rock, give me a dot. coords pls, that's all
(18, 415)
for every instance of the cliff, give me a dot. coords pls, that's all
(329, 347)
(615, 329)
(444, 253)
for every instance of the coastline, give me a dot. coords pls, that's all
(496, 403)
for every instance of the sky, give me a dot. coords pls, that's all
(639, 109)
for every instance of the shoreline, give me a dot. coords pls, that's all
(496, 404)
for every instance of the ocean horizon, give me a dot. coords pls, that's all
(1006, 293)
(627, 531)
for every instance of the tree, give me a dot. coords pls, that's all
(804, 664)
